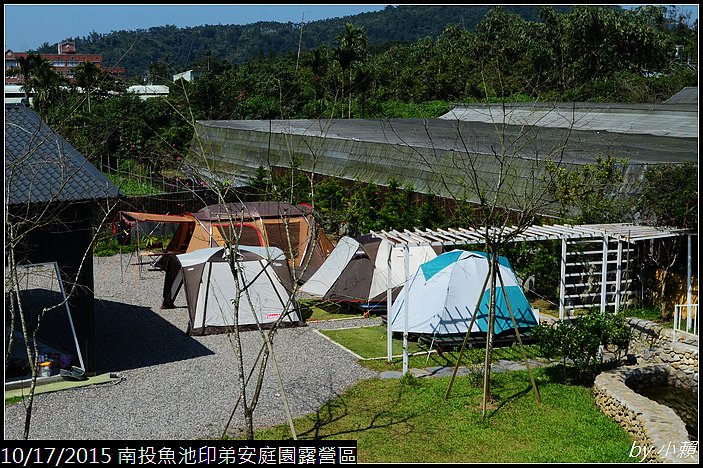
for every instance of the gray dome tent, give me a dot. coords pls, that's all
(210, 288)
(356, 271)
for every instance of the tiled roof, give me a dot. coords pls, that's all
(42, 167)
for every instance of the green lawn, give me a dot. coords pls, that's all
(314, 309)
(371, 343)
(408, 420)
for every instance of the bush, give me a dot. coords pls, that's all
(577, 341)
(405, 110)
(106, 248)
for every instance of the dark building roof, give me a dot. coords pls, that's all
(42, 167)
(688, 95)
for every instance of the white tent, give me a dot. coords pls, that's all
(357, 270)
(444, 292)
(210, 290)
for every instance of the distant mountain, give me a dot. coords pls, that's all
(182, 47)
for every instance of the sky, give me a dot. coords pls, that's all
(28, 26)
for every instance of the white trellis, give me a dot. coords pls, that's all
(615, 242)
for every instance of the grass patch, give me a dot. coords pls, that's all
(13, 400)
(408, 420)
(545, 307)
(132, 186)
(108, 246)
(314, 310)
(653, 315)
(370, 343)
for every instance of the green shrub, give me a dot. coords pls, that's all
(132, 186)
(409, 110)
(577, 341)
(106, 248)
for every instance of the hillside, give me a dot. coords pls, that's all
(180, 48)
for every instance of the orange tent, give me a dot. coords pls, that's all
(291, 228)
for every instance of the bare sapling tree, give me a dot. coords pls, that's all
(664, 255)
(498, 168)
(509, 199)
(23, 218)
(232, 204)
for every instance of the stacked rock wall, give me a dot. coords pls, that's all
(653, 344)
(658, 432)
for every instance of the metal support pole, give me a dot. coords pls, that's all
(604, 276)
(618, 278)
(562, 280)
(689, 291)
(68, 313)
(389, 304)
(406, 311)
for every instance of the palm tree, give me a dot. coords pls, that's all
(38, 78)
(318, 63)
(24, 68)
(353, 48)
(46, 84)
(87, 76)
(95, 81)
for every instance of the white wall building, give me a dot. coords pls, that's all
(148, 91)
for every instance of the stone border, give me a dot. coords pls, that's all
(653, 426)
(653, 344)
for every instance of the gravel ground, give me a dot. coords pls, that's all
(173, 386)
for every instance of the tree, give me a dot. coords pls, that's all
(160, 71)
(352, 49)
(578, 341)
(95, 80)
(290, 187)
(24, 70)
(505, 199)
(40, 79)
(318, 64)
(588, 194)
(505, 207)
(669, 198)
(670, 195)
(398, 209)
(48, 87)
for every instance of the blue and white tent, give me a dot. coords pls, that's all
(443, 292)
